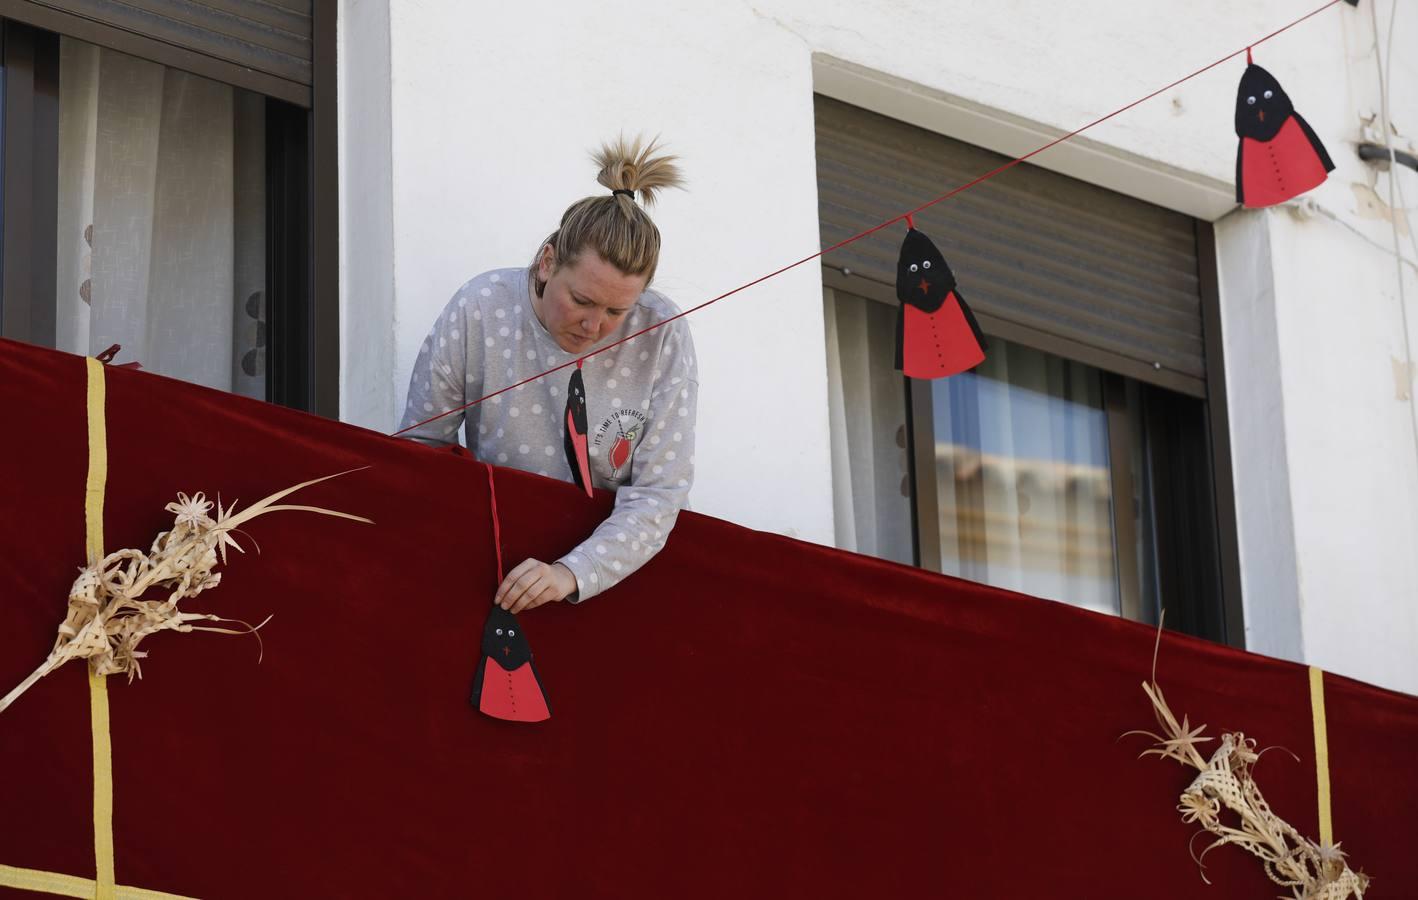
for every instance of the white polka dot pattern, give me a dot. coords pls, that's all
(653, 378)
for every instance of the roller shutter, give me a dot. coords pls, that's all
(1032, 250)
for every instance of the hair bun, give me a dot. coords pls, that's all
(633, 166)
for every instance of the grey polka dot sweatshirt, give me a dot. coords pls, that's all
(640, 411)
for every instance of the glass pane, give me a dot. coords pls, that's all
(871, 484)
(1022, 471)
(162, 212)
(1144, 511)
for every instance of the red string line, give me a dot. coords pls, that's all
(874, 229)
(496, 522)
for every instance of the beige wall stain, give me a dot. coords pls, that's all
(1369, 205)
(1403, 373)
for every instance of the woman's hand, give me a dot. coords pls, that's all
(533, 583)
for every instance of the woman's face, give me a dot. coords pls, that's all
(584, 300)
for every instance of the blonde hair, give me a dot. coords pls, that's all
(613, 224)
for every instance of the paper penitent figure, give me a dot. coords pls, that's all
(574, 439)
(1279, 155)
(936, 334)
(506, 685)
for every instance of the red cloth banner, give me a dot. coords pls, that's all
(747, 716)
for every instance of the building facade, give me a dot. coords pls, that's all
(1186, 405)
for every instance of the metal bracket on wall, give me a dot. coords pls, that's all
(1380, 153)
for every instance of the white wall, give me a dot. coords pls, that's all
(491, 110)
(1260, 455)
(367, 362)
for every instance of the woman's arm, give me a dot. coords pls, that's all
(441, 378)
(647, 506)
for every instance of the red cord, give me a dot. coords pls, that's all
(496, 522)
(910, 221)
(874, 229)
(1248, 56)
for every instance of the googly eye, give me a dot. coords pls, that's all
(511, 632)
(913, 267)
(926, 264)
(1269, 94)
(499, 632)
(1250, 101)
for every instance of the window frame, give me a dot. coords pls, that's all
(302, 176)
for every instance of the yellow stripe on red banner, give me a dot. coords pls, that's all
(94, 486)
(72, 885)
(1321, 755)
(103, 886)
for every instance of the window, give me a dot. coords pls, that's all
(160, 191)
(162, 219)
(1078, 462)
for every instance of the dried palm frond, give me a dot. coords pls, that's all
(108, 614)
(1226, 802)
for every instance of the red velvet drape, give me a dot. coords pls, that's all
(748, 716)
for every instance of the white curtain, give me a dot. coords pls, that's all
(867, 416)
(161, 219)
(1023, 477)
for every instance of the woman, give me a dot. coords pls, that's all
(588, 287)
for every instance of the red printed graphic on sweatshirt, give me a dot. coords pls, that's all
(617, 437)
